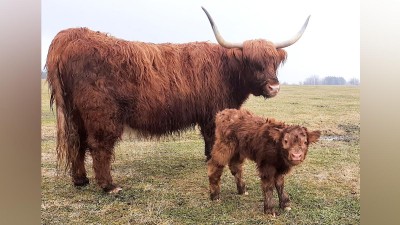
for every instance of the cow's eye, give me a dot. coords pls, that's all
(305, 142)
(258, 67)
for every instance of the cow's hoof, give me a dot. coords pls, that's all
(288, 208)
(115, 190)
(246, 193)
(81, 182)
(242, 190)
(112, 189)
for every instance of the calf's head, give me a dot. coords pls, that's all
(294, 142)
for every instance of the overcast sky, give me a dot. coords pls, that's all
(329, 47)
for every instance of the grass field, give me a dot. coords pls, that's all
(165, 182)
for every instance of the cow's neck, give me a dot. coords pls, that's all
(233, 66)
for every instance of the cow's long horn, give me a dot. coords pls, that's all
(293, 40)
(218, 36)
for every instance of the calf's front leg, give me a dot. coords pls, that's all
(284, 200)
(267, 184)
(268, 188)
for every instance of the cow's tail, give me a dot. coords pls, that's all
(67, 131)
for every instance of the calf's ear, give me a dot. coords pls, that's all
(313, 136)
(275, 134)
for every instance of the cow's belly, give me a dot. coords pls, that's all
(161, 121)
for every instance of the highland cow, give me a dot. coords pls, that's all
(101, 84)
(274, 146)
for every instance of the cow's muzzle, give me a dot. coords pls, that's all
(273, 89)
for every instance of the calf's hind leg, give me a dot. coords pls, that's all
(236, 167)
(214, 176)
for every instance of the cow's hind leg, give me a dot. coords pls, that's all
(102, 156)
(101, 140)
(78, 171)
(101, 147)
(104, 128)
(236, 167)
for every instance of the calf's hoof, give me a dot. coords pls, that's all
(81, 182)
(285, 205)
(214, 196)
(273, 214)
(270, 212)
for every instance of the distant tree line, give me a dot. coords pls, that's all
(312, 80)
(329, 80)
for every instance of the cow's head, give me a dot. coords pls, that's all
(294, 142)
(261, 60)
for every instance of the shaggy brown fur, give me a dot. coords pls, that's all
(101, 84)
(274, 146)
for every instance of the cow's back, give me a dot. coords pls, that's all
(158, 88)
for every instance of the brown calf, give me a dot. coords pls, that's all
(274, 146)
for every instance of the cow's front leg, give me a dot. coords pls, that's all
(284, 200)
(208, 132)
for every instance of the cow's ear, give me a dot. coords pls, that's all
(313, 136)
(275, 134)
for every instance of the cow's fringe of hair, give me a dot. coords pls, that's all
(67, 134)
